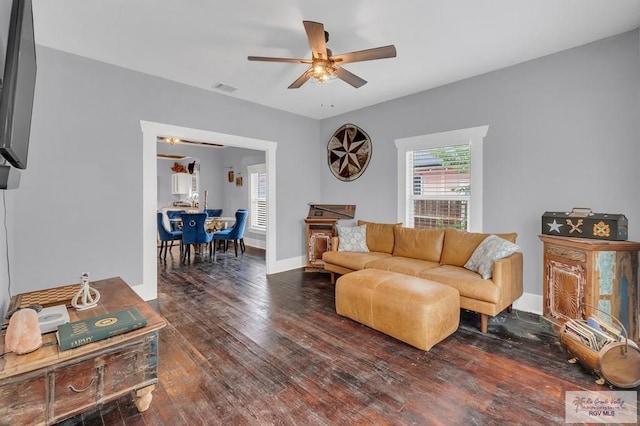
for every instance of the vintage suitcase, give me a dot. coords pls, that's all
(583, 223)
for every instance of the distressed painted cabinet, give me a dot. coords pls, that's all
(48, 385)
(583, 277)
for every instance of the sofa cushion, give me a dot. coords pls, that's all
(380, 236)
(351, 259)
(403, 265)
(352, 238)
(488, 251)
(468, 283)
(460, 245)
(425, 244)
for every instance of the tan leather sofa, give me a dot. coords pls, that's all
(436, 255)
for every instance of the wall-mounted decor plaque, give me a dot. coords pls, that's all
(348, 152)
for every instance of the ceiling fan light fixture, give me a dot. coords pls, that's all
(322, 71)
(323, 63)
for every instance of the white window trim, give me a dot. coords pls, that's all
(473, 136)
(256, 168)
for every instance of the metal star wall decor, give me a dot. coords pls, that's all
(349, 152)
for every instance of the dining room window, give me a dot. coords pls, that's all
(257, 197)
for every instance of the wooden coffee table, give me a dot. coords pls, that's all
(49, 385)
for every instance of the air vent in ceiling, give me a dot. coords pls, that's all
(224, 88)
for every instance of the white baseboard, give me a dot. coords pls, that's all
(529, 302)
(289, 264)
(261, 244)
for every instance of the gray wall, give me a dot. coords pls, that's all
(564, 131)
(236, 197)
(79, 204)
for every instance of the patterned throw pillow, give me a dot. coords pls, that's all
(352, 238)
(490, 249)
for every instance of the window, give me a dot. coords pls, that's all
(440, 180)
(257, 198)
(439, 197)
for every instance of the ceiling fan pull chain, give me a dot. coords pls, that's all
(332, 96)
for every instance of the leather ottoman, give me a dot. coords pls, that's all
(414, 310)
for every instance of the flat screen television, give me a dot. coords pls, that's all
(18, 85)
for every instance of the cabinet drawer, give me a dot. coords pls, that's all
(124, 370)
(566, 253)
(75, 387)
(23, 400)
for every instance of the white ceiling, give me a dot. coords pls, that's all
(204, 42)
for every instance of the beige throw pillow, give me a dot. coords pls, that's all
(460, 245)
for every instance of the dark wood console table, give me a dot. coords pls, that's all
(49, 385)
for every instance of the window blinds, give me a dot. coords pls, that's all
(440, 180)
(258, 201)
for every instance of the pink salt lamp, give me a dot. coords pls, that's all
(23, 334)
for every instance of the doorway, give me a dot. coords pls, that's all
(150, 133)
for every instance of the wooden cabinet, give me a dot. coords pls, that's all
(583, 277)
(49, 385)
(319, 235)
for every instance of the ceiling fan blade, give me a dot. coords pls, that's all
(300, 80)
(270, 59)
(366, 55)
(350, 77)
(317, 41)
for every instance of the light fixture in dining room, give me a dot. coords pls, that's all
(171, 156)
(173, 141)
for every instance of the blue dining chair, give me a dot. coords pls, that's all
(167, 236)
(173, 215)
(194, 232)
(213, 212)
(234, 233)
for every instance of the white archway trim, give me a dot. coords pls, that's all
(148, 290)
(473, 136)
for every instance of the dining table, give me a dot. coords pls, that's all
(211, 224)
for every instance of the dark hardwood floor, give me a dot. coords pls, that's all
(241, 348)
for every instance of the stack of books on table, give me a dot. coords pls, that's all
(594, 333)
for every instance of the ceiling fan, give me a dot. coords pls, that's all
(324, 65)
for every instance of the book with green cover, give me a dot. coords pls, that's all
(78, 333)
